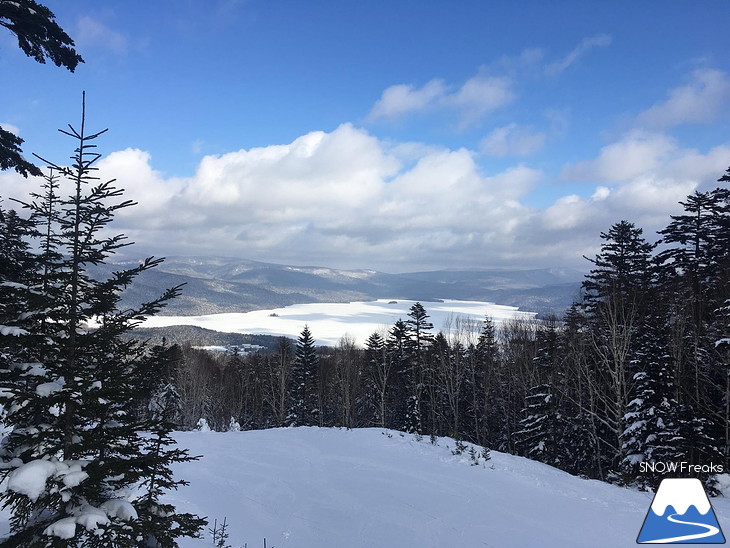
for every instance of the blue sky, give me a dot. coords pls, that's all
(390, 135)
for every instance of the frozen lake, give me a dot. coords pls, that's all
(330, 321)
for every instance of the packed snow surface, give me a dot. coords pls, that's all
(373, 488)
(330, 321)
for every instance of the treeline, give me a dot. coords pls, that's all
(636, 371)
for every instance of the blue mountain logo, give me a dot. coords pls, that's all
(680, 513)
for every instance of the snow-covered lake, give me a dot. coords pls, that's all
(330, 321)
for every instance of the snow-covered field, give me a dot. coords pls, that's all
(370, 488)
(330, 321)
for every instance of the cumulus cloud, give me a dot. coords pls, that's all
(640, 154)
(347, 199)
(586, 45)
(635, 153)
(512, 140)
(640, 178)
(341, 198)
(472, 100)
(149, 188)
(698, 101)
(14, 185)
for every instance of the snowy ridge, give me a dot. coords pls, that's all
(680, 493)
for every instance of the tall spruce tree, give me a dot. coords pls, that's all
(486, 365)
(537, 436)
(305, 402)
(622, 270)
(395, 347)
(79, 470)
(578, 445)
(694, 278)
(651, 423)
(419, 339)
(379, 378)
(615, 293)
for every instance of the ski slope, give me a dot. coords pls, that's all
(372, 488)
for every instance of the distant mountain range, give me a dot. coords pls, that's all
(218, 284)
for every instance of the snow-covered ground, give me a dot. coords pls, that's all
(370, 488)
(330, 321)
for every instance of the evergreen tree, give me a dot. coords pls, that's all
(419, 332)
(537, 437)
(417, 344)
(17, 266)
(486, 384)
(652, 431)
(577, 445)
(72, 398)
(622, 270)
(615, 304)
(395, 346)
(41, 38)
(694, 277)
(305, 401)
(380, 372)
(166, 400)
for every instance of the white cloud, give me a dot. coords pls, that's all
(472, 100)
(586, 45)
(647, 175)
(132, 170)
(639, 155)
(512, 140)
(341, 198)
(479, 96)
(347, 199)
(636, 153)
(14, 185)
(93, 33)
(566, 213)
(403, 99)
(699, 101)
(196, 147)
(15, 130)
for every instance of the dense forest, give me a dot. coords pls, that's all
(636, 371)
